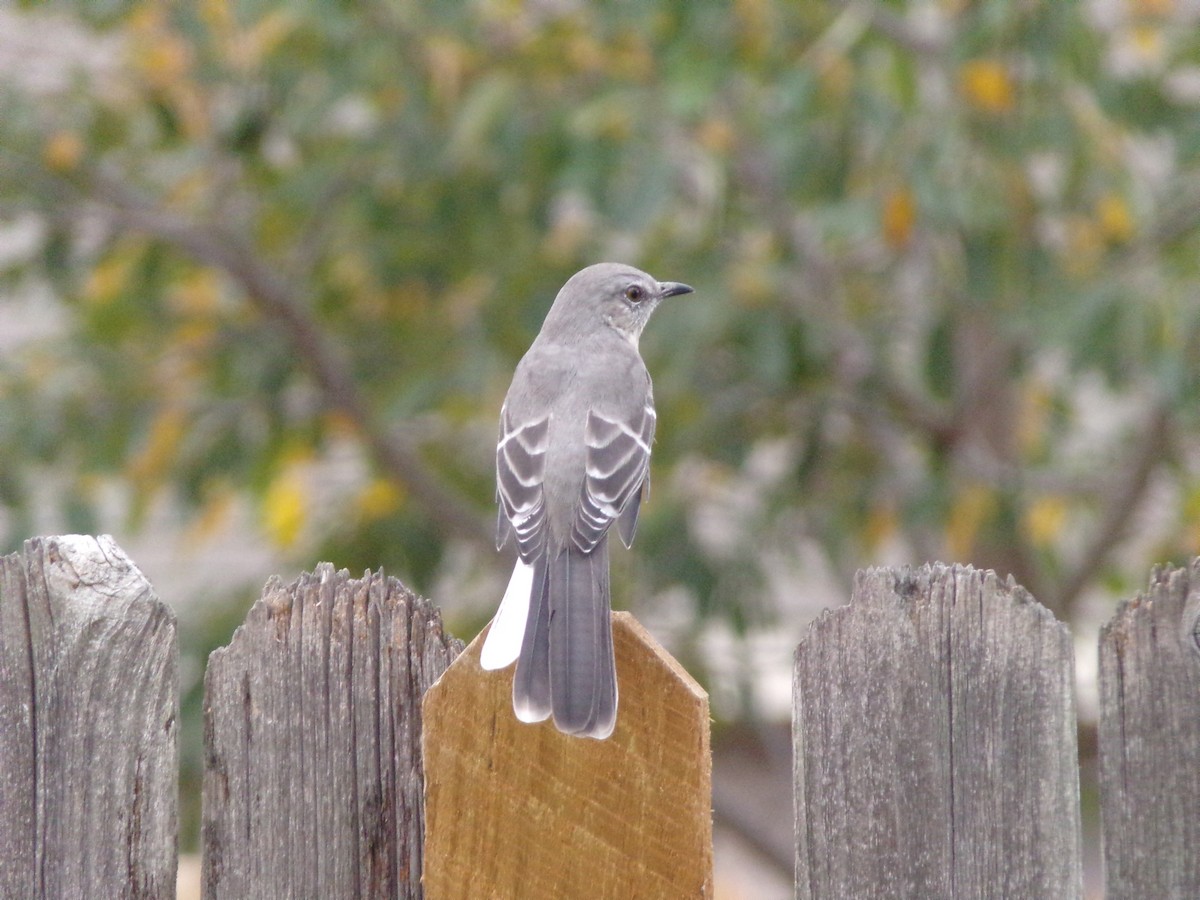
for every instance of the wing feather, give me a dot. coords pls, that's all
(617, 465)
(520, 470)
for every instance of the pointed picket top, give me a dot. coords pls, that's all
(517, 810)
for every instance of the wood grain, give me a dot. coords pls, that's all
(89, 705)
(517, 810)
(934, 738)
(313, 777)
(1150, 740)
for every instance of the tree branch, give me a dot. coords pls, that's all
(895, 28)
(280, 304)
(1133, 480)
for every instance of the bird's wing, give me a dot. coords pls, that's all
(617, 463)
(520, 470)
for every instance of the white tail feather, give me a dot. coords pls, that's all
(503, 644)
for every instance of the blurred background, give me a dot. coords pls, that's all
(266, 267)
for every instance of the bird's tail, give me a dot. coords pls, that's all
(567, 667)
(531, 683)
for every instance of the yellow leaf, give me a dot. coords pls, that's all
(381, 497)
(584, 53)
(881, 524)
(973, 506)
(146, 18)
(1147, 43)
(160, 448)
(752, 285)
(1189, 531)
(987, 86)
(1045, 518)
(836, 73)
(1033, 415)
(284, 506)
(214, 514)
(751, 276)
(196, 294)
(717, 135)
(1191, 506)
(899, 215)
(163, 59)
(108, 278)
(351, 270)
(252, 46)
(448, 61)
(756, 27)
(1114, 219)
(63, 151)
(630, 57)
(339, 424)
(193, 336)
(1084, 246)
(217, 16)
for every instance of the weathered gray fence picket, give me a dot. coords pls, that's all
(934, 742)
(312, 733)
(89, 706)
(1150, 740)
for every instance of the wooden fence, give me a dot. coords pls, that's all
(352, 746)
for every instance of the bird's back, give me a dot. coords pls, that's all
(559, 379)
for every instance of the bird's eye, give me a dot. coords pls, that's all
(634, 293)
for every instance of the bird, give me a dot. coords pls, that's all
(572, 460)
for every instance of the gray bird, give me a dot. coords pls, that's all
(572, 459)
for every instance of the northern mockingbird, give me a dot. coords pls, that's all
(572, 459)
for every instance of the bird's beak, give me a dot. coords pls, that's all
(672, 288)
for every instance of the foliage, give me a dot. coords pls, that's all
(945, 254)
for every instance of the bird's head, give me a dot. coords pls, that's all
(609, 295)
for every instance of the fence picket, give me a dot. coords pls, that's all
(1150, 740)
(934, 747)
(313, 776)
(517, 810)
(934, 738)
(89, 706)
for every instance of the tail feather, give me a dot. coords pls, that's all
(507, 631)
(531, 683)
(582, 668)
